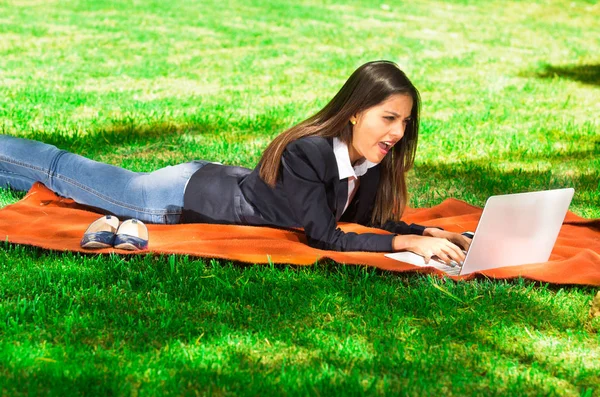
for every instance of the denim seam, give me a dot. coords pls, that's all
(10, 174)
(87, 189)
(106, 198)
(14, 173)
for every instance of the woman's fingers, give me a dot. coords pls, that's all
(454, 252)
(441, 248)
(448, 258)
(444, 257)
(464, 242)
(447, 252)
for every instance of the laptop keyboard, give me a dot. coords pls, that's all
(450, 270)
(412, 258)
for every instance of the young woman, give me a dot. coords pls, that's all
(346, 163)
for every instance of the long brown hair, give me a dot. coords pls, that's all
(369, 85)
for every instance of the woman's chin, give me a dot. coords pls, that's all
(374, 156)
(377, 157)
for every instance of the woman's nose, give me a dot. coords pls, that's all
(398, 131)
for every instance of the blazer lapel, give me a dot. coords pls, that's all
(341, 196)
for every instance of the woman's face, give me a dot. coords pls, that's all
(379, 128)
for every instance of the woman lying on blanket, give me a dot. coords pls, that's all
(346, 163)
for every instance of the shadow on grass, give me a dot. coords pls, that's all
(194, 297)
(147, 137)
(588, 74)
(141, 304)
(342, 317)
(475, 180)
(119, 134)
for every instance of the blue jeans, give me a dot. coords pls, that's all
(155, 197)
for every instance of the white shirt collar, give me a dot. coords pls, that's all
(345, 168)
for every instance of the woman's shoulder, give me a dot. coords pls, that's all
(311, 143)
(312, 153)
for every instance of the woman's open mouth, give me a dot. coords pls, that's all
(385, 147)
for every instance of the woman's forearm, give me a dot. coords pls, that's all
(403, 242)
(430, 231)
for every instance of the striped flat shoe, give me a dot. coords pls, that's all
(132, 235)
(101, 233)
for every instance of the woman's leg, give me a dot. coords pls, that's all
(155, 197)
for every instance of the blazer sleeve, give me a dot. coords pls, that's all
(397, 227)
(304, 179)
(403, 228)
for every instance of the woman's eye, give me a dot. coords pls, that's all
(407, 121)
(391, 118)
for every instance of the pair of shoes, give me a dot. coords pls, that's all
(105, 232)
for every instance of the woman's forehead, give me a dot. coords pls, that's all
(401, 104)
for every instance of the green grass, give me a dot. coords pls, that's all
(510, 102)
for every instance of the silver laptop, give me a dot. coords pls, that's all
(514, 229)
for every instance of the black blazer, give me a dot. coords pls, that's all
(309, 194)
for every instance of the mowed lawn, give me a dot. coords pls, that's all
(511, 98)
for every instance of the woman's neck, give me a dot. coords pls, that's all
(355, 157)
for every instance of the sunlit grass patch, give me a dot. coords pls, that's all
(8, 196)
(509, 105)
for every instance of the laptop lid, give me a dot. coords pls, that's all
(517, 229)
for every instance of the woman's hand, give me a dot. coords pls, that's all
(428, 246)
(456, 238)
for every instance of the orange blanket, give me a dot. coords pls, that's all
(42, 219)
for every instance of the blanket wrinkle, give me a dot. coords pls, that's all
(45, 220)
